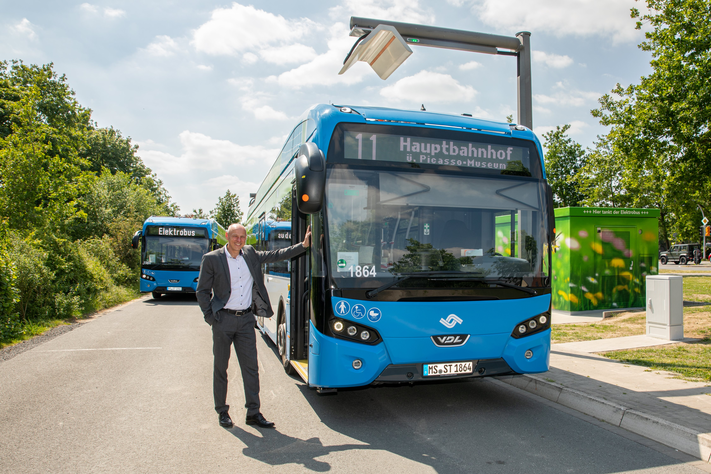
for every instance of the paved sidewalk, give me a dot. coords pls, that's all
(650, 403)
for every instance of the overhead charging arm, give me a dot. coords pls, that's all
(385, 45)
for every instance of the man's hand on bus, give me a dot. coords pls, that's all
(307, 237)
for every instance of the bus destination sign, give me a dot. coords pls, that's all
(432, 151)
(164, 231)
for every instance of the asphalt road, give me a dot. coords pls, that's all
(131, 392)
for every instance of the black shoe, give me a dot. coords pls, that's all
(259, 420)
(225, 420)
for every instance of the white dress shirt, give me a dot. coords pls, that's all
(242, 281)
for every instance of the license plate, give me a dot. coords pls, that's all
(174, 288)
(453, 368)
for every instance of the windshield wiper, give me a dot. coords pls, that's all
(526, 289)
(406, 276)
(446, 275)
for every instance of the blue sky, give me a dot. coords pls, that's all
(210, 90)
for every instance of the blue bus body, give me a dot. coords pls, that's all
(387, 294)
(172, 250)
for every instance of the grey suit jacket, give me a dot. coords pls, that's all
(215, 285)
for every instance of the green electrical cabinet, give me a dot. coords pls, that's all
(602, 257)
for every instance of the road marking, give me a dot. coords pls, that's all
(105, 349)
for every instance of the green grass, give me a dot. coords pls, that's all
(691, 361)
(118, 295)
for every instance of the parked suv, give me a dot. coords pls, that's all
(679, 253)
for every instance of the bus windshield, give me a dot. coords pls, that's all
(174, 253)
(383, 224)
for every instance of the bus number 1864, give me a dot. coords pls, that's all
(364, 271)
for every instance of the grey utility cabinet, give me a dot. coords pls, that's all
(665, 307)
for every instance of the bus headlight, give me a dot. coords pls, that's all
(344, 329)
(533, 325)
(147, 277)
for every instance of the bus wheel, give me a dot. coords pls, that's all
(281, 345)
(156, 295)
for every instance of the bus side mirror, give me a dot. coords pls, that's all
(551, 212)
(136, 237)
(310, 169)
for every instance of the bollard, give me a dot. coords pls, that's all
(665, 307)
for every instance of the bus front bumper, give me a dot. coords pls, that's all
(152, 286)
(336, 363)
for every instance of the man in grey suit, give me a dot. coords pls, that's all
(230, 293)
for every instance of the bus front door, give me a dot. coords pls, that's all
(298, 324)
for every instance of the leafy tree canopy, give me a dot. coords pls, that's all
(227, 211)
(564, 159)
(660, 136)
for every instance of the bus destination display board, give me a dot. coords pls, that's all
(432, 151)
(169, 231)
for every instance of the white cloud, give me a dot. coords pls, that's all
(577, 127)
(428, 87)
(242, 28)
(555, 61)
(471, 65)
(205, 153)
(563, 96)
(204, 67)
(293, 53)
(87, 7)
(113, 12)
(25, 28)
(605, 18)
(408, 11)
(323, 69)
(250, 58)
(163, 46)
(108, 12)
(254, 101)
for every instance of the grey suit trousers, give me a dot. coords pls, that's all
(237, 331)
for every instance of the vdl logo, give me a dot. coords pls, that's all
(451, 321)
(450, 340)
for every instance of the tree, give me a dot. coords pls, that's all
(199, 214)
(107, 149)
(564, 160)
(660, 134)
(42, 128)
(227, 211)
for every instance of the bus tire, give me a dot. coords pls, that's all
(156, 295)
(281, 345)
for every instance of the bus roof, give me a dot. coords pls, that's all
(364, 114)
(165, 220)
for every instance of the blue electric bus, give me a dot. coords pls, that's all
(171, 252)
(431, 252)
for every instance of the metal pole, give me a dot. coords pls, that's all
(703, 233)
(523, 83)
(447, 38)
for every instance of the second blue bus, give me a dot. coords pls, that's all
(172, 250)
